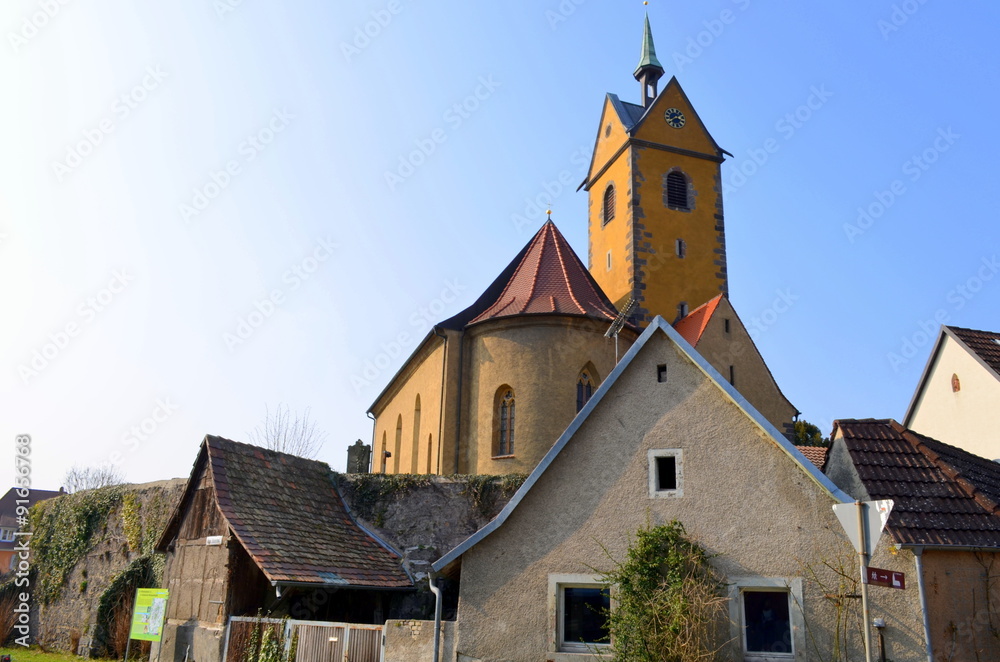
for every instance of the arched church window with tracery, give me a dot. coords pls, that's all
(504, 441)
(584, 389)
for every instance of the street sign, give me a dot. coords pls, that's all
(876, 514)
(887, 578)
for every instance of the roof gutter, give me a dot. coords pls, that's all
(280, 586)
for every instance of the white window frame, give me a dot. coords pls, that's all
(792, 586)
(560, 651)
(678, 455)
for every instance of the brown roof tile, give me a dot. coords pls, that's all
(985, 344)
(815, 454)
(287, 513)
(943, 495)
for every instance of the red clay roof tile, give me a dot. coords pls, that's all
(694, 323)
(549, 278)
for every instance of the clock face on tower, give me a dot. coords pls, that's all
(674, 117)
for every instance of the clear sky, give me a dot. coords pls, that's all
(211, 206)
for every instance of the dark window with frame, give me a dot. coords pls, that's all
(609, 203)
(584, 617)
(766, 620)
(677, 190)
(666, 473)
(681, 248)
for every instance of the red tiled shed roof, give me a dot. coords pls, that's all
(943, 495)
(694, 323)
(286, 512)
(985, 344)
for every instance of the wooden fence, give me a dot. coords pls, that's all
(314, 641)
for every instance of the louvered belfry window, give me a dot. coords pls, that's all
(609, 203)
(677, 190)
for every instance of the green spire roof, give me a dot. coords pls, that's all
(648, 56)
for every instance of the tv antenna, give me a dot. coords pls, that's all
(619, 322)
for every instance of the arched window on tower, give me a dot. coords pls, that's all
(504, 427)
(677, 191)
(609, 203)
(584, 388)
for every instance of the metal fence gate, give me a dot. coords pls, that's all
(314, 641)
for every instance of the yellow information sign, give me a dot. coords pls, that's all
(149, 613)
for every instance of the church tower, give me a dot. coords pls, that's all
(656, 230)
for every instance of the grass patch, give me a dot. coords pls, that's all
(35, 654)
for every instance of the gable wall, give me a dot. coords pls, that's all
(744, 499)
(753, 379)
(967, 419)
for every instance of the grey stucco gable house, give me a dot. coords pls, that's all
(664, 438)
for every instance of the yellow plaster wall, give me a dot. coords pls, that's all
(967, 419)
(669, 279)
(541, 359)
(642, 236)
(615, 236)
(421, 376)
(753, 379)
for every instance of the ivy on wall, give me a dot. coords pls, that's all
(63, 531)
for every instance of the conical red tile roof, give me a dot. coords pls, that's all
(548, 278)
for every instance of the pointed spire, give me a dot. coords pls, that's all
(647, 58)
(649, 70)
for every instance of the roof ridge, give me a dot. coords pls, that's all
(565, 273)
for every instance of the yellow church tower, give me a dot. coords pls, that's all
(656, 229)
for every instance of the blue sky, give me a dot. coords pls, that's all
(174, 171)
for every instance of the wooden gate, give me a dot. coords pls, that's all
(314, 641)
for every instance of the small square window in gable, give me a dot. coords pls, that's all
(666, 473)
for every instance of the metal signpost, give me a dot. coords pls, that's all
(148, 613)
(863, 521)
